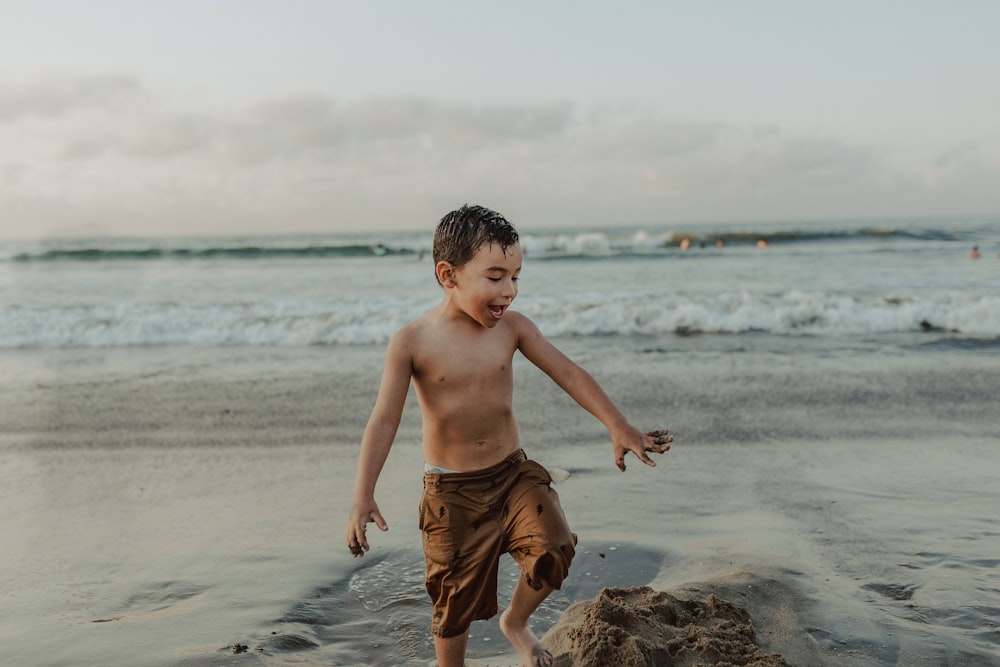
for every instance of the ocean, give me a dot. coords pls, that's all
(894, 283)
(179, 420)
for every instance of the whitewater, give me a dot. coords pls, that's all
(846, 283)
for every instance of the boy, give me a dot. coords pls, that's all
(482, 497)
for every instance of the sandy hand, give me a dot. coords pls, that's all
(638, 443)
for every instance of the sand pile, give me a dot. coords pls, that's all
(641, 627)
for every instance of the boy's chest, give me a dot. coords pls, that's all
(464, 362)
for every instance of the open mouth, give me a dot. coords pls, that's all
(497, 311)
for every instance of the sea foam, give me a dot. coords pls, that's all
(372, 320)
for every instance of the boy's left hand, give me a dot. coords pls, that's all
(639, 443)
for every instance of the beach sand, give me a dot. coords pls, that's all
(170, 507)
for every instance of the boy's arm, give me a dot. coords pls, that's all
(376, 442)
(585, 390)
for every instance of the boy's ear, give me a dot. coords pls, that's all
(445, 273)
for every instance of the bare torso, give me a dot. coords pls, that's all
(464, 382)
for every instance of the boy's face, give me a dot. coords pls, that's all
(487, 284)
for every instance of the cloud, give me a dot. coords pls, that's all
(956, 164)
(57, 95)
(280, 128)
(106, 147)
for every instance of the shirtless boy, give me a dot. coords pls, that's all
(482, 496)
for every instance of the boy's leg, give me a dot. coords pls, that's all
(514, 624)
(450, 651)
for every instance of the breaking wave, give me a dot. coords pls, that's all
(370, 320)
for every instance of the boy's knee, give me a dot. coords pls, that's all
(550, 567)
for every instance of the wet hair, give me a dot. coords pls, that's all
(461, 233)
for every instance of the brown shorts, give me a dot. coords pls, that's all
(470, 519)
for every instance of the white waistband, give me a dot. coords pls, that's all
(438, 470)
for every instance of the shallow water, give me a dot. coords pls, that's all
(160, 506)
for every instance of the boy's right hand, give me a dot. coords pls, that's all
(360, 515)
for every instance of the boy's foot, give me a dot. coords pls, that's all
(524, 641)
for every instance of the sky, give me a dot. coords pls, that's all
(134, 117)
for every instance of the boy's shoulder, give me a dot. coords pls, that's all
(426, 322)
(419, 332)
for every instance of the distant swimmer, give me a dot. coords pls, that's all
(685, 243)
(719, 243)
(974, 254)
(762, 243)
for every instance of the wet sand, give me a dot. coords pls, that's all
(164, 507)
